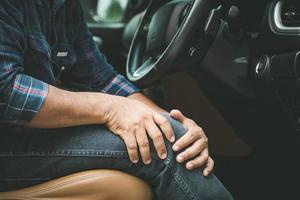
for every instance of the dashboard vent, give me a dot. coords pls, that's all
(290, 14)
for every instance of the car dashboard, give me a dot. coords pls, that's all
(251, 72)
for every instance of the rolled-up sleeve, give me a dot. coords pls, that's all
(92, 70)
(25, 99)
(21, 96)
(120, 86)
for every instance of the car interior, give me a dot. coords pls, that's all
(232, 66)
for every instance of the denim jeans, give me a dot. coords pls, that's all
(32, 156)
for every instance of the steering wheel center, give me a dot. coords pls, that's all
(164, 24)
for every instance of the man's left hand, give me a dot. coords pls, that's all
(195, 145)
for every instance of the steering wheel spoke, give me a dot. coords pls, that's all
(145, 67)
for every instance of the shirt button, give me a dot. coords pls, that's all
(63, 68)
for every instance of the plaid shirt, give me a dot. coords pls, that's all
(43, 43)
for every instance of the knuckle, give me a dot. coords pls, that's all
(133, 129)
(132, 146)
(199, 148)
(205, 157)
(145, 143)
(200, 129)
(164, 121)
(157, 137)
(192, 122)
(183, 143)
(197, 164)
(200, 132)
(205, 140)
(132, 155)
(135, 125)
(145, 118)
(187, 154)
(136, 121)
(145, 156)
(146, 153)
(121, 134)
(192, 137)
(160, 146)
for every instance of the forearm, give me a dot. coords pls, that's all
(142, 98)
(65, 109)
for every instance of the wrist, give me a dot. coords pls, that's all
(101, 105)
(105, 105)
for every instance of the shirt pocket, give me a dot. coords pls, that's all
(64, 56)
(39, 47)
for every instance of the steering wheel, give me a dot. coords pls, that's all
(163, 36)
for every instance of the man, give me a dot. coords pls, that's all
(64, 109)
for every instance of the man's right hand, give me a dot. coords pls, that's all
(132, 121)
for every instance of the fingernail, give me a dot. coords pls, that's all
(172, 139)
(206, 173)
(148, 162)
(175, 148)
(190, 165)
(135, 161)
(180, 158)
(164, 156)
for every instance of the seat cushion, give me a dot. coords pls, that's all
(89, 185)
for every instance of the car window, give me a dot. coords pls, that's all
(103, 11)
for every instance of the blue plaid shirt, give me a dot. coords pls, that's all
(45, 43)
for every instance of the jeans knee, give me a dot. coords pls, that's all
(179, 131)
(177, 127)
(215, 189)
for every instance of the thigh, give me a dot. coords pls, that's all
(32, 156)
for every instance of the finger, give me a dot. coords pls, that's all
(186, 122)
(131, 146)
(192, 151)
(199, 161)
(143, 144)
(209, 167)
(165, 126)
(157, 138)
(191, 136)
(176, 114)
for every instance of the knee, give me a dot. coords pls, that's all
(177, 127)
(179, 131)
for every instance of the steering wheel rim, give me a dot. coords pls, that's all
(144, 73)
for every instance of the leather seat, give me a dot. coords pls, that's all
(89, 185)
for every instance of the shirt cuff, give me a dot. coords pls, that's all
(26, 99)
(120, 86)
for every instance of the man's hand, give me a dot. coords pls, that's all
(132, 120)
(195, 144)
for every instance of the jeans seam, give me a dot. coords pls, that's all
(180, 181)
(84, 153)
